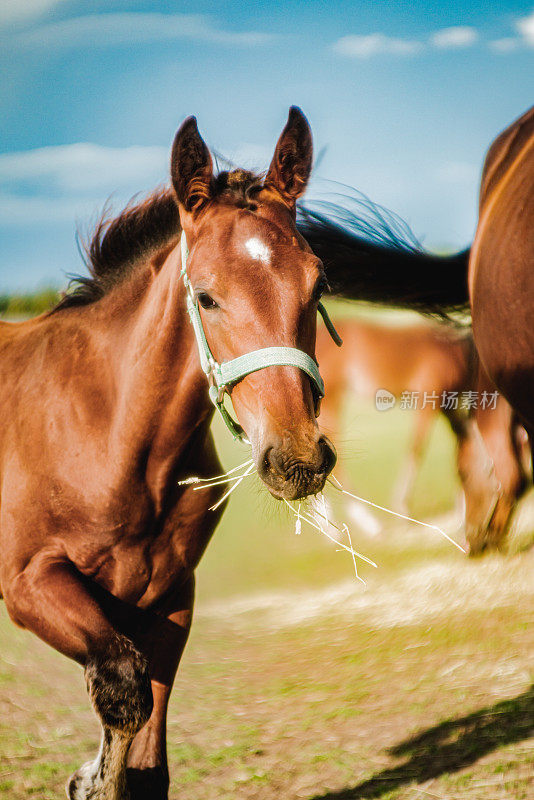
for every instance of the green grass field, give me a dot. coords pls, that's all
(298, 682)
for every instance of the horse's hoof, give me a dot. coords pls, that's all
(85, 785)
(150, 783)
(81, 785)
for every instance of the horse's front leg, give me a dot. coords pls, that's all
(119, 687)
(164, 634)
(50, 598)
(147, 772)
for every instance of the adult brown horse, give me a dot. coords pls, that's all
(500, 267)
(438, 366)
(105, 408)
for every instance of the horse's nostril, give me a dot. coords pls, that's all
(329, 456)
(273, 462)
(303, 471)
(266, 462)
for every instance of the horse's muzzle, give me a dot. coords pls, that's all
(290, 476)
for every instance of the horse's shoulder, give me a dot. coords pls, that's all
(504, 151)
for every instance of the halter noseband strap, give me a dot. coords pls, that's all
(223, 375)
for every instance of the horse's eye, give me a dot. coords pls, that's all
(206, 301)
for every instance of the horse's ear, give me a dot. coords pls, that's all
(292, 161)
(191, 167)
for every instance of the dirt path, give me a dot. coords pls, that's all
(419, 686)
(417, 594)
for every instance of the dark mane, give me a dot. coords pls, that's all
(238, 186)
(118, 244)
(371, 255)
(363, 218)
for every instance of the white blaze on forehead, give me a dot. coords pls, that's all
(258, 250)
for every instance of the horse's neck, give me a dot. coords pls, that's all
(161, 392)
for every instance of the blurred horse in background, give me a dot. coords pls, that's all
(426, 367)
(433, 369)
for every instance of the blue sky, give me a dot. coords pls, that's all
(404, 98)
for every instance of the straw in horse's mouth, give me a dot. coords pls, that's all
(318, 518)
(218, 480)
(319, 521)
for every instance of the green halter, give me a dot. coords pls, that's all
(222, 376)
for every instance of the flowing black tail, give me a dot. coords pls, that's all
(371, 255)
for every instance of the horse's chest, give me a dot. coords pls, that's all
(139, 560)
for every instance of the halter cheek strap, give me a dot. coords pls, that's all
(221, 376)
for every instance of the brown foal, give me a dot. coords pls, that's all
(105, 409)
(435, 359)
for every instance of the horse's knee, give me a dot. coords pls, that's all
(118, 683)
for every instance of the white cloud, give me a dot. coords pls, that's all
(70, 182)
(23, 10)
(505, 45)
(62, 183)
(375, 44)
(355, 46)
(525, 27)
(508, 44)
(458, 36)
(85, 168)
(135, 28)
